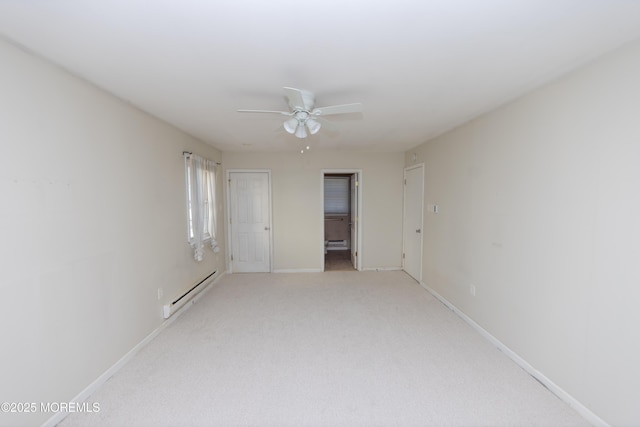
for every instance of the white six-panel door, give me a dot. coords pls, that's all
(412, 221)
(250, 222)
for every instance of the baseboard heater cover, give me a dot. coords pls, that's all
(336, 245)
(172, 307)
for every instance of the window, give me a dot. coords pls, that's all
(336, 195)
(207, 205)
(201, 203)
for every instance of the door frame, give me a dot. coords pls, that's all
(404, 225)
(228, 224)
(358, 242)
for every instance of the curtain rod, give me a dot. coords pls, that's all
(189, 153)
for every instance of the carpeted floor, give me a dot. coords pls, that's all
(322, 349)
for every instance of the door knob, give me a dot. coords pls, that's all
(418, 230)
(266, 229)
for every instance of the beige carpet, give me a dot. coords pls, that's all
(323, 349)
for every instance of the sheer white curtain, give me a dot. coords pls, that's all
(201, 203)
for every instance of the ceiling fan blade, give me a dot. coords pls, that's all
(326, 124)
(337, 109)
(284, 113)
(295, 98)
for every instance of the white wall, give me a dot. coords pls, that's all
(539, 209)
(298, 218)
(92, 223)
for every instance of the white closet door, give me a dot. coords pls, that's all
(412, 222)
(250, 222)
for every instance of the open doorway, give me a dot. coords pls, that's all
(341, 203)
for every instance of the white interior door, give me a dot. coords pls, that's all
(353, 221)
(412, 221)
(250, 222)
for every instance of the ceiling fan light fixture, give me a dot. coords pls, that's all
(301, 132)
(313, 125)
(291, 125)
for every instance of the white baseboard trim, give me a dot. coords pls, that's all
(319, 270)
(98, 382)
(553, 387)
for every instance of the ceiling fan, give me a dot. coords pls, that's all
(303, 116)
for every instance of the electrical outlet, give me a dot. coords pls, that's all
(472, 290)
(160, 293)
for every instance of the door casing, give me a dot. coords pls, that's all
(358, 239)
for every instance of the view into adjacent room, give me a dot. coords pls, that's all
(340, 216)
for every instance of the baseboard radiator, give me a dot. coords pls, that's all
(336, 245)
(174, 306)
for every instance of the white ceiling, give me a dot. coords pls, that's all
(420, 67)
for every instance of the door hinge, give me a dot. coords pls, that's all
(231, 257)
(356, 254)
(405, 182)
(357, 183)
(402, 255)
